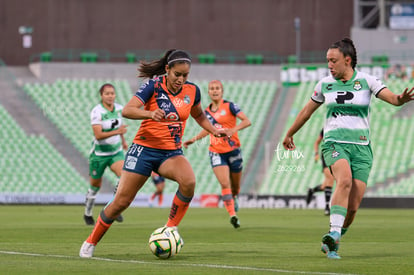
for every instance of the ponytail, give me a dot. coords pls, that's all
(157, 67)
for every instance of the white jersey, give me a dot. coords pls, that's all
(109, 120)
(347, 118)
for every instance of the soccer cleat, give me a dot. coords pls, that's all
(327, 211)
(333, 255)
(119, 218)
(330, 242)
(236, 203)
(309, 196)
(235, 222)
(86, 250)
(89, 220)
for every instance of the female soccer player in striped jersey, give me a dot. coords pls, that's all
(164, 103)
(107, 146)
(225, 152)
(346, 148)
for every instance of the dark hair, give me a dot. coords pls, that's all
(157, 67)
(104, 86)
(347, 48)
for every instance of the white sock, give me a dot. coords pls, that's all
(90, 201)
(337, 221)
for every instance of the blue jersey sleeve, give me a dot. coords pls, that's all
(234, 108)
(146, 91)
(197, 99)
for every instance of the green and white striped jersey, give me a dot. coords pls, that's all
(109, 121)
(347, 118)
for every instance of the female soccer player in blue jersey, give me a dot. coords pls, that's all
(164, 104)
(346, 148)
(225, 152)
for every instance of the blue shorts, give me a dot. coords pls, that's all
(143, 160)
(232, 159)
(157, 179)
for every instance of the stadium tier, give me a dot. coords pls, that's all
(31, 165)
(392, 133)
(68, 102)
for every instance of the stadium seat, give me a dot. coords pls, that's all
(88, 57)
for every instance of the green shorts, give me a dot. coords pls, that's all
(358, 156)
(98, 164)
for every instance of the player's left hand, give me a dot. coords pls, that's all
(406, 95)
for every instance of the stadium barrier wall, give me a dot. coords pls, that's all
(295, 74)
(207, 200)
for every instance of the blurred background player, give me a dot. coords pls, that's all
(164, 103)
(328, 180)
(107, 146)
(225, 152)
(159, 183)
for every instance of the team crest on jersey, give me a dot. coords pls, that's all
(357, 85)
(187, 99)
(335, 154)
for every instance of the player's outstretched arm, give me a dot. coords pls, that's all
(396, 100)
(300, 120)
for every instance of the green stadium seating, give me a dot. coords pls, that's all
(89, 57)
(46, 57)
(206, 58)
(131, 57)
(30, 164)
(254, 59)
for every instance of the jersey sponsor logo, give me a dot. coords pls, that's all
(343, 96)
(175, 132)
(165, 106)
(114, 123)
(178, 102)
(344, 111)
(172, 116)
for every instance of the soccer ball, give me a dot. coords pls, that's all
(165, 242)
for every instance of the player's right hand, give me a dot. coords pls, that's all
(187, 143)
(157, 114)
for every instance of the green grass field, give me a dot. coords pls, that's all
(46, 240)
